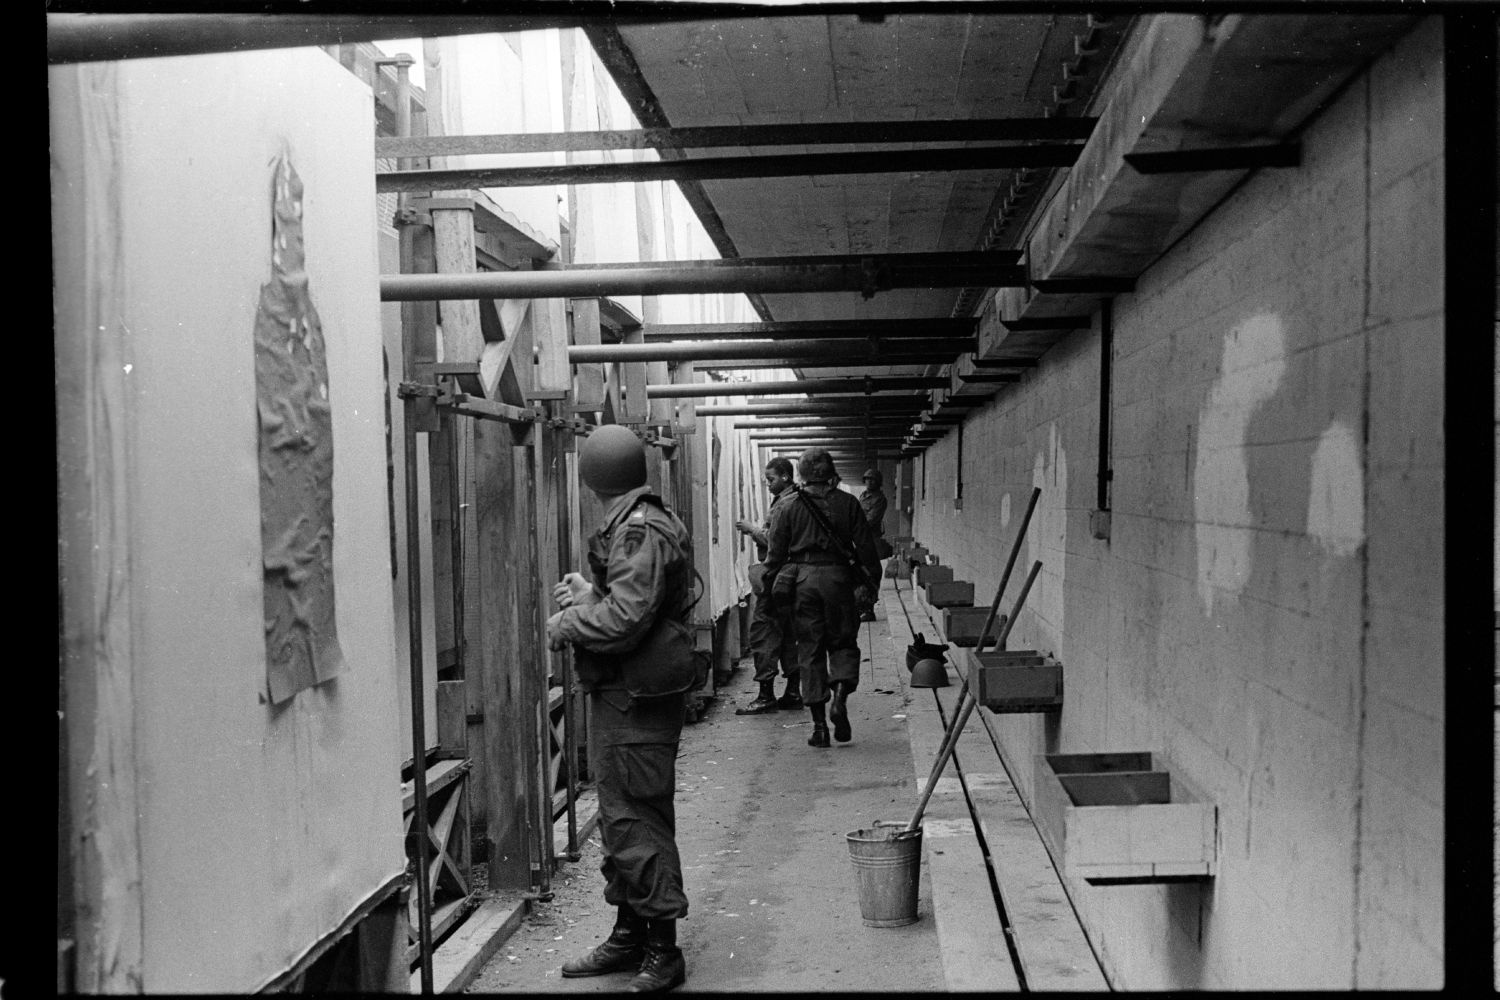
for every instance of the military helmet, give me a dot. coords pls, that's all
(612, 460)
(875, 477)
(816, 466)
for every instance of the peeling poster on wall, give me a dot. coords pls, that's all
(296, 461)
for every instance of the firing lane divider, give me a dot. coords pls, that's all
(1050, 948)
(971, 937)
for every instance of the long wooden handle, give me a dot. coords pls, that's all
(950, 738)
(1015, 550)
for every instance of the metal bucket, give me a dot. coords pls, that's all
(887, 862)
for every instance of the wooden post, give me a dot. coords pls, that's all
(498, 660)
(588, 380)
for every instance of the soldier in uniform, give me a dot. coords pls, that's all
(814, 579)
(770, 634)
(874, 502)
(634, 658)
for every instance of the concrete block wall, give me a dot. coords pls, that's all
(1267, 613)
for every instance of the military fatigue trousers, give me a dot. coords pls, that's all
(825, 625)
(633, 754)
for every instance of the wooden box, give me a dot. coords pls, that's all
(934, 574)
(1018, 680)
(948, 593)
(917, 552)
(1123, 819)
(898, 570)
(961, 625)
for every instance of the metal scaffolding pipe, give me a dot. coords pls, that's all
(699, 168)
(673, 278)
(916, 330)
(90, 37)
(796, 387)
(877, 405)
(938, 351)
(827, 420)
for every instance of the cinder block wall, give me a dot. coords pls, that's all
(1267, 612)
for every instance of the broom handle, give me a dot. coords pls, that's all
(1015, 550)
(950, 738)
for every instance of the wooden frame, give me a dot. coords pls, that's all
(934, 574)
(961, 624)
(948, 593)
(1020, 680)
(1123, 819)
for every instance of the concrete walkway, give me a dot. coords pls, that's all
(762, 819)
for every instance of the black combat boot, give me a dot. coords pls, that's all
(819, 737)
(764, 702)
(622, 951)
(792, 698)
(839, 713)
(663, 967)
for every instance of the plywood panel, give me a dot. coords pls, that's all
(292, 812)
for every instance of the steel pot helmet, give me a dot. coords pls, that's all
(875, 478)
(816, 466)
(612, 460)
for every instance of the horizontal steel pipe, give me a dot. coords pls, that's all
(674, 278)
(825, 420)
(915, 330)
(92, 37)
(752, 409)
(699, 168)
(797, 387)
(873, 363)
(940, 351)
(709, 136)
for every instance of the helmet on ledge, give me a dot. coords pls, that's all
(612, 460)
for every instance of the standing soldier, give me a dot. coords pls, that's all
(821, 561)
(634, 658)
(874, 503)
(770, 634)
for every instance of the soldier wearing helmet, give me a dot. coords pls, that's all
(821, 557)
(770, 634)
(634, 657)
(874, 502)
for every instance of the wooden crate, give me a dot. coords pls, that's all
(898, 570)
(917, 552)
(1123, 819)
(1018, 680)
(950, 593)
(934, 574)
(961, 625)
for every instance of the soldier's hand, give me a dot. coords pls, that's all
(742, 527)
(572, 589)
(555, 641)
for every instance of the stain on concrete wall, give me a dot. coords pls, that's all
(1336, 500)
(1250, 371)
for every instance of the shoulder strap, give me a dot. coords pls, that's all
(845, 547)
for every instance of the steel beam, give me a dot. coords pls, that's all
(827, 420)
(939, 351)
(701, 168)
(913, 329)
(798, 387)
(753, 409)
(711, 136)
(91, 37)
(892, 360)
(866, 275)
(1182, 161)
